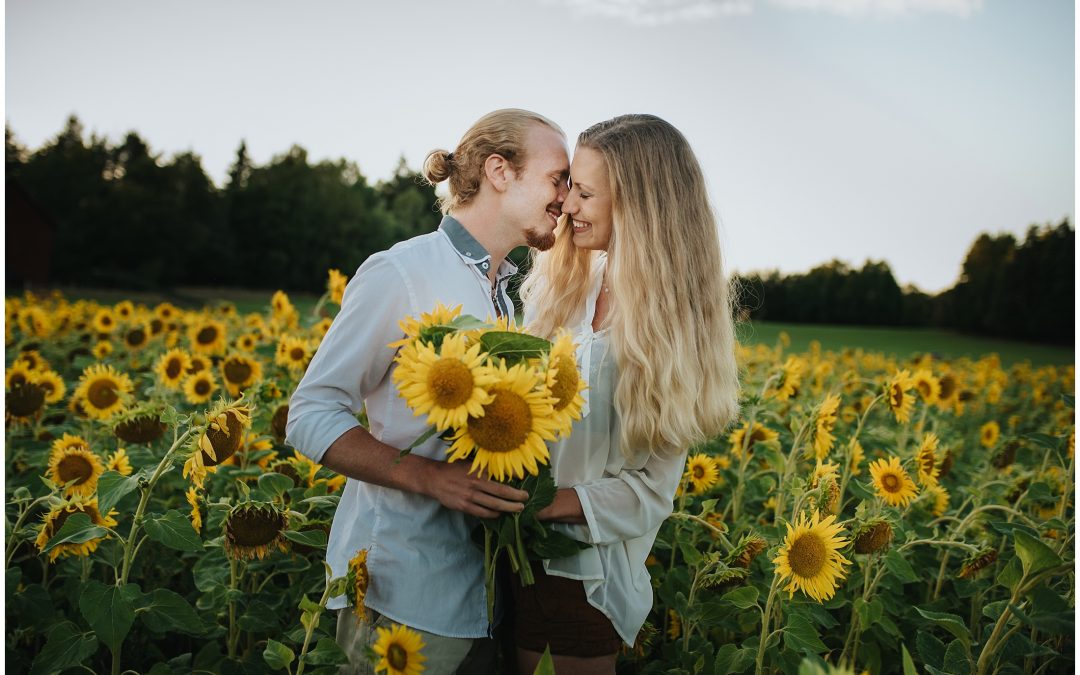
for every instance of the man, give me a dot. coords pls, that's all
(507, 181)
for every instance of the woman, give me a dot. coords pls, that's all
(636, 273)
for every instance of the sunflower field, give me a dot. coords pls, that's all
(863, 515)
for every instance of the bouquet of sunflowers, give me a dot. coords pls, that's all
(495, 394)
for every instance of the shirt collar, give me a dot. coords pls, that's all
(470, 250)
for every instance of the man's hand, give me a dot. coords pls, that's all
(479, 496)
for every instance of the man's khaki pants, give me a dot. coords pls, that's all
(444, 655)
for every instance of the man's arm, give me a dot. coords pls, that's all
(359, 455)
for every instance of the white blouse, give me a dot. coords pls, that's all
(625, 501)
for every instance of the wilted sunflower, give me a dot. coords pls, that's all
(897, 393)
(55, 519)
(140, 425)
(893, 484)
(926, 460)
(509, 438)
(294, 353)
(335, 286)
(928, 386)
(220, 440)
(701, 473)
(977, 562)
(399, 649)
(207, 336)
(989, 434)
(192, 496)
(70, 461)
(823, 470)
(198, 388)
(760, 434)
(102, 390)
(137, 336)
(565, 383)
(119, 462)
(104, 321)
(357, 581)
(253, 529)
(448, 384)
(412, 328)
(873, 536)
(810, 557)
(240, 372)
(53, 385)
(824, 425)
(24, 401)
(674, 628)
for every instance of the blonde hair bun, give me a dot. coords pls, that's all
(437, 166)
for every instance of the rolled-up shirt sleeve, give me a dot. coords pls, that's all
(630, 504)
(352, 359)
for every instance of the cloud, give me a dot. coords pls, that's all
(656, 12)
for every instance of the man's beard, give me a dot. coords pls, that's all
(540, 241)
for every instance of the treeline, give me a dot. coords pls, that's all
(124, 216)
(1012, 289)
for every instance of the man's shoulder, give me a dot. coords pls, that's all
(419, 248)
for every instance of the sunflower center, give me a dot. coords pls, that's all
(202, 387)
(74, 467)
(206, 336)
(566, 382)
(807, 555)
(896, 396)
(225, 445)
(17, 379)
(397, 657)
(924, 388)
(758, 434)
(296, 354)
(450, 382)
(102, 394)
(948, 385)
(505, 424)
(237, 371)
(890, 482)
(136, 337)
(927, 461)
(173, 368)
(698, 471)
(254, 527)
(25, 399)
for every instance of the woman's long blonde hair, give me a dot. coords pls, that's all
(672, 330)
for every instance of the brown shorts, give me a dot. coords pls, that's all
(554, 612)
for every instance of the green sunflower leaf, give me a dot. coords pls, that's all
(312, 538)
(801, 636)
(900, 567)
(65, 647)
(909, 665)
(1034, 555)
(277, 655)
(545, 666)
(275, 484)
(109, 610)
(950, 622)
(114, 486)
(513, 347)
(326, 653)
(743, 598)
(173, 530)
(77, 529)
(165, 611)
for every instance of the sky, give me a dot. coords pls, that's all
(893, 130)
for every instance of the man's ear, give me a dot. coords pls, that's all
(498, 171)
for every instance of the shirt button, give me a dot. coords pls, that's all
(484, 265)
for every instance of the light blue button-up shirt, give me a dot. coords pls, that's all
(425, 572)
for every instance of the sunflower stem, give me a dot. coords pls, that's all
(310, 627)
(233, 632)
(489, 575)
(13, 541)
(765, 618)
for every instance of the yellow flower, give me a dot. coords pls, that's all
(18, 373)
(399, 649)
(193, 501)
(104, 321)
(102, 349)
(823, 470)
(247, 342)
(240, 372)
(59, 513)
(789, 380)
(172, 367)
(857, 457)
(810, 559)
(412, 328)
(33, 360)
(293, 353)
(72, 461)
(892, 482)
(137, 336)
(926, 460)
(198, 388)
(824, 425)
(102, 391)
(219, 441)
(208, 336)
(357, 580)
(335, 286)
(941, 499)
(508, 439)
(702, 473)
(674, 625)
(119, 462)
(565, 383)
(760, 434)
(53, 385)
(989, 434)
(897, 394)
(928, 386)
(448, 385)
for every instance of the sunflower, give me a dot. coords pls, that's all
(240, 372)
(53, 385)
(139, 426)
(198, 388)
(335, 286)
(167, 312)
(75, 466)
(810, 557)
(119, 462)
(926, 460)
(789, 379)
(24, 401)
(399, 649)
(948, 388)
(873, 536)
(124, 309)
(508, 438)
(294, 353)
(941, 500)
(207, 336)
(901, 401)
(701, 473)
(104, 321)
(892, 482)
(823, 470)
(102, 349)
(220, 440)
(33, 360)
(674, 628)
(137, 336)
(977, 562)
(989, 434)
(102, 391)
(857, 457)
(824, 425)
(192, 496)
(448, 384)
(565, 383)
(35, 321)
(198, 364)
(17, 373)
(357, 581)
(252, 529)
(59, 513)
(412, 328)
(928, 386)
(321, 328)
(172, 366)
(759, 434)
(279, 421)
(247, 342)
